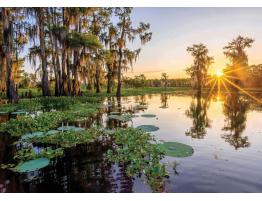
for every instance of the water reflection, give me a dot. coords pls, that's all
(164, 98)
(85, 168)
(235, 111)
(198, 113)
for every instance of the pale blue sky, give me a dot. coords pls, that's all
(176, 28)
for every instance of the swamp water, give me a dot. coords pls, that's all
(225, 132)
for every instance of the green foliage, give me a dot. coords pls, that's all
(76, 109)
(78, 40)
(69, 138)
(134, 148)
(28, 124)
(26, 154)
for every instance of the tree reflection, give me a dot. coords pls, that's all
(198, 113)
(164, 98)
(235, 109)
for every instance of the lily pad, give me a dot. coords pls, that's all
(19, 113)
(163, 107)
(78, 129)
(32, 135)
(52, 132)
(32, 165)
(114, 113)
(148, 128)
(70, 128)
(148, 115)
(123, 117)
(3, 113)
(141, 107)
(176, 149)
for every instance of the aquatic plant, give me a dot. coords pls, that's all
(45, 121)
(3, 113)
(70, 128)
(140, 107)
(26, 154)
(32, 165)
(114, 113)
(69, 138)
(122, 117)
(148, 115)
(147, 128)
(19, 113)
(176, 149)
(28, 124)
(134, 148)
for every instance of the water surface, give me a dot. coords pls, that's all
(225, 132)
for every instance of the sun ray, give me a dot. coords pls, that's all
(225, 86)
(212, 88)
(211, 80)
(235, 69)
(243, 90)
(230, 76)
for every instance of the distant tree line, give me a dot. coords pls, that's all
(164, 81)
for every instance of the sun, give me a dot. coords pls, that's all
(219, 73)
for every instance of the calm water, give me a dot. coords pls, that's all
(225, 132)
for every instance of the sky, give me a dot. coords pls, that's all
(174, 29)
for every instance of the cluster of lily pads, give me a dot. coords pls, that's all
(31, 158)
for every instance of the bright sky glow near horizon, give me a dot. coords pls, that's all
(174, 29)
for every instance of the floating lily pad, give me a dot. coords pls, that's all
(19, 113)
(70, 128)
(163, 107)
(32, 135)
(134, 115)
(148, 128)
(3, 113)
(141, 107)
(32, 165)
(148, 115)
(52, 132)
(176, 149)
(123, 117)
(114, 113)
(77, 129)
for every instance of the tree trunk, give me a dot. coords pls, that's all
(97, 80)
(109, 82)
(64, 76)
(55, 57)
(75, 81)
(7, 58)
(68, 75)
(45, 83)
(118, 92)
